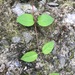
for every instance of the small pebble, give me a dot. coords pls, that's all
(9, 73)
(17, 10)
(16, 39)
(62, 62)
(52, 4)
(27, 37)
(72, 62)
(13, 63)
(14, 68)
(42, 2)
(2, 67)
(38, 65)
(69, 19)
(21, 8)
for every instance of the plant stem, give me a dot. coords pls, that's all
(32, 3)
(36, 35)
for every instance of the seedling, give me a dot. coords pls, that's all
(43, 20)
(32, 55)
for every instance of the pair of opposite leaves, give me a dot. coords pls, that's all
(28, 20)
(32, 55)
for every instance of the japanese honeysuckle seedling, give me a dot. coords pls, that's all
(54, 74)
(42, 20)
(28, 20)
(32, 55)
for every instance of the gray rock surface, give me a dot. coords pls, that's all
(22, 8)
(27, 37)
(62, 62)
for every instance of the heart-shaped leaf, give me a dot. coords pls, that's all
(29, 56)
(45, 20)
(54, 74)
(48, 47)
(26, 20)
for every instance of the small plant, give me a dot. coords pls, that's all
(32, 55)
(54, 74)
(43, 20)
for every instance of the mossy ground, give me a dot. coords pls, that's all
(63, 36)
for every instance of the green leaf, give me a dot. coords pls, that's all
(45, 20)
(29, 56)
(48, 47)
(54, 74)
(26, 20)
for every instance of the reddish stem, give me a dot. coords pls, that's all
(35, 22)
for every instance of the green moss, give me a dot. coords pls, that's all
(72, 55)
(39, 73)
(1, 1)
